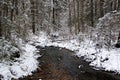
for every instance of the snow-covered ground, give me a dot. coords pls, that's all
(23, 66)
(99, 58)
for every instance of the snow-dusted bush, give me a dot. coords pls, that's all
(108, 29)
(8, 51)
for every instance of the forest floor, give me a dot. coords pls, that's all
(61, 64)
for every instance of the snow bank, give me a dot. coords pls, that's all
(108, 60)
(22, 66)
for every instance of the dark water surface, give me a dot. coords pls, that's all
(61, 64)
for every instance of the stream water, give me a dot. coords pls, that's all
(61, 64)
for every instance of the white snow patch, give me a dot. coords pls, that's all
(23, 66)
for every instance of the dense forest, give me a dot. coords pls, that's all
(19, 16)
(94, 20)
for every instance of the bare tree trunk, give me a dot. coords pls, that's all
(101, 8)
(82, 16)
(78, 16)
(53, 12)
(118, 42)
(118, 8)
(16, 7)
(74, 3)
(12, 11)
(33, 15)
(92, 14)
(0, 28)
(70, 17)
(0, 23)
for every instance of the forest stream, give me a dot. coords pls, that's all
(61, 64)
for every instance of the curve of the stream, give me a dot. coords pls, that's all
(61, 64)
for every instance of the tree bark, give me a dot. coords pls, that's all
(118, 42)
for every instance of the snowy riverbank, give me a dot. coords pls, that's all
(99, 58)
(22, 66)
(27, 63)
